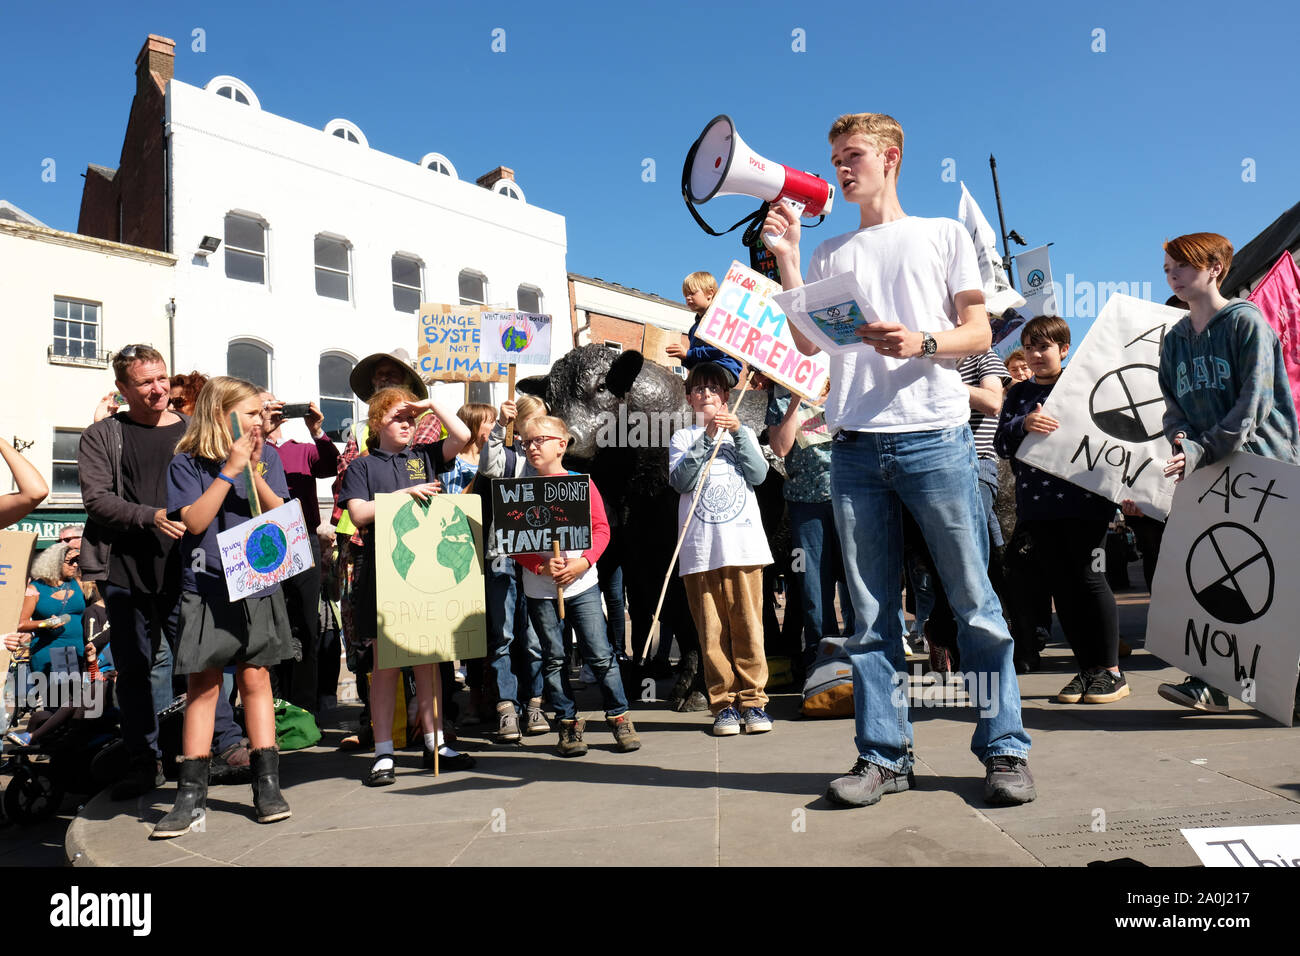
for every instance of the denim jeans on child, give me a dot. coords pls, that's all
(585, 613)
(506, 626)
(934, 474)
(812, 526)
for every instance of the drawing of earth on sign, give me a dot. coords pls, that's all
(431, 555)
(1231, 573)
(266, 548)
(516, 338)
(1127, 403)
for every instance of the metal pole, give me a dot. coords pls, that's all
(1002, 223)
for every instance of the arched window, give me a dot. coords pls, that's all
(510, 189)
(245, 248)
(250, 361)
(529, 299)
(346, 131)
(473, 288)
(439, 164)
(233, 88)
(337, 403)
(408, 288)
(333, 267)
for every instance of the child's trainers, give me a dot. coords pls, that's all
(727, 723)
(1072, 692)
(1105, 687)
(756, 721)
(571, 744)
(536, 722)
(1196, 694)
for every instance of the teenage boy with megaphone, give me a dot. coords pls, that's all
(900, 413)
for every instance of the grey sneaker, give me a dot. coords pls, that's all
(1007, 781)
(571, 744)
(535, 721)
(1196, 694)
(866, 783)
(507, 722)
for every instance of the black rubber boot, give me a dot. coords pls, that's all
(269, 805)
(191, 808)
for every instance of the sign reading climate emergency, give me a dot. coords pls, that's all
(748, 325)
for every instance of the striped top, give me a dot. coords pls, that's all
(974, 369)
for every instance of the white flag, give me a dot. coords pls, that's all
(1036, 276)
(998, 294)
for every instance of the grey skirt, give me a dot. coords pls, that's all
(214, 634)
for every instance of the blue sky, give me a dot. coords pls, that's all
(1105, 154)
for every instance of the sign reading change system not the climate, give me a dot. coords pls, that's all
(1221, 605)
(531, 515)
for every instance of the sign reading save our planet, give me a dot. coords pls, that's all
(261, 552)
(429, 580)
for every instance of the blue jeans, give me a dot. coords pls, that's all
(505, 626)
(812, 526)
(584, 612)
(934, 474)
(988, 472)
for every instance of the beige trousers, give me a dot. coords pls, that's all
(727, 604)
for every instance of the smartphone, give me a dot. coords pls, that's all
(297, 410)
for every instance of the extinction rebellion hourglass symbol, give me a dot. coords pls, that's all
(1231, 573)
(1127, 403)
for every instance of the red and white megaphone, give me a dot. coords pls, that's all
(721, 164)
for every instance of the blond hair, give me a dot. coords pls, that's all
(881, 128)
(699, 282)
(550, 422)
(209, 433)
(528, 407)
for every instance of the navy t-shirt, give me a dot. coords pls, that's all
(187, 479)
(381, 472)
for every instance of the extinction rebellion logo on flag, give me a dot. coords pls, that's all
(1036, 279)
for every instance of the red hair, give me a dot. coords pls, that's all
(1202, 250)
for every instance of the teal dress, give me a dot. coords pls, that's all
(71, 634)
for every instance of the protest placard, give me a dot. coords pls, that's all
(745, 321)
(1265, 846)
(514, 338)
(449, 347)
(1221, 609)
(15, 555)
(262, 551)
(532, 515)
(430, 604)
(655, 343)
(1109, 405)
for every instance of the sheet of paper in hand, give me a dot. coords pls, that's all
(1109, 405)
(828, 311)
(745, 321)
(430, 604)
(263, 551)
(515, 338)
(1219, 608)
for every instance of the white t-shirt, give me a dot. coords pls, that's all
(726, 531)
(910, 270)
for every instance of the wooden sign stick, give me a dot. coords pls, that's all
(699, 487)
(254, 503)
(559, 591)
(510, 396)
(437, 721)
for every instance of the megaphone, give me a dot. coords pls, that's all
(720, 163)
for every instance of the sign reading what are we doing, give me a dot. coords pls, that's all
(1224, 605)
(1110, 408)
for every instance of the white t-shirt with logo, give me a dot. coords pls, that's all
(726, 531)
(910, 269)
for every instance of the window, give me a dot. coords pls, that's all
(407, 288)
(439, 164)
(233, 93)
(348, 132)
(76, 328)
(614, 346)
(473, 288)
(333, 268)
(250, 361)
(245, 248)
(529, 299)
(64, 460)
(481, 392)
(337, 402)
(509, 188)
(233, 88)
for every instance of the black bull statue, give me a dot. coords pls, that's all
(621, 411)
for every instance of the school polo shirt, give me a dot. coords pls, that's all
(381, 472)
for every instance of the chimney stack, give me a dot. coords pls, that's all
(490, 179)
(157, 57)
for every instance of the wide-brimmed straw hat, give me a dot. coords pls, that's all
(364, 373)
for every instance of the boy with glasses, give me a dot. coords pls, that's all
(724, 551)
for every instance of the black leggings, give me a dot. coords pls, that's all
(1069, 556)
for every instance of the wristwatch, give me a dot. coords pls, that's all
(928, 345)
